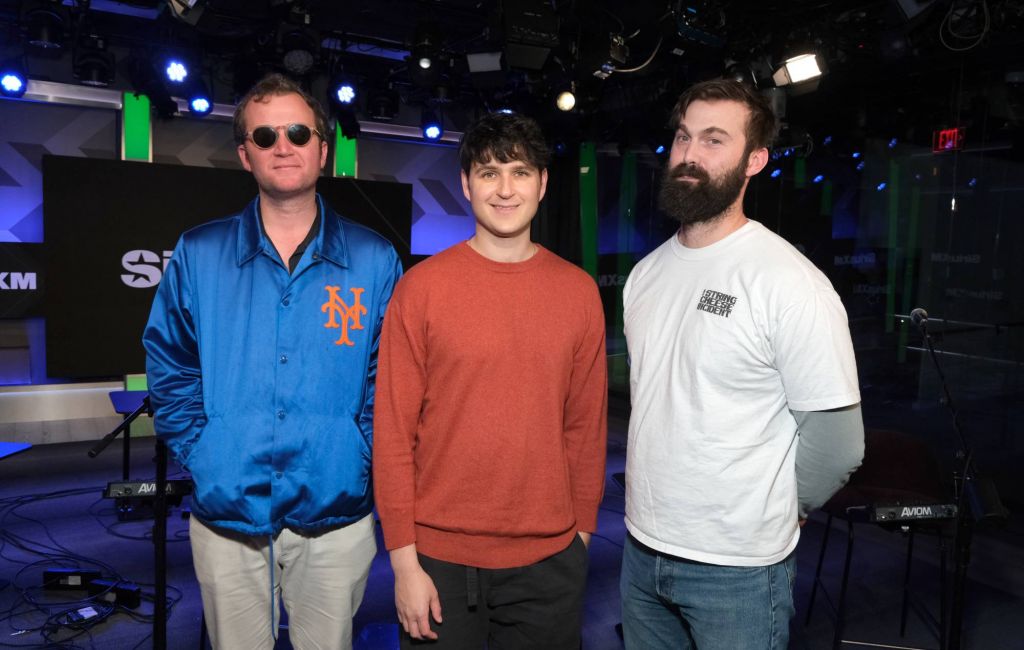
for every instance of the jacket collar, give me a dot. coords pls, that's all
(329, 243)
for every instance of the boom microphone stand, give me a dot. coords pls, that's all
(159, 508)
(975, 498)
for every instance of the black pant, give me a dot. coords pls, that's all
(535, 606)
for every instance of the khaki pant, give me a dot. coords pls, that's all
(321, 579)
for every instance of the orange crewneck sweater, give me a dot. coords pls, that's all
(491, 409)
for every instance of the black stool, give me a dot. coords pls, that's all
(898, 469)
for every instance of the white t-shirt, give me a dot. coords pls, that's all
(723, 341)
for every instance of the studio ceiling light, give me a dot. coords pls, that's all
(797, 69)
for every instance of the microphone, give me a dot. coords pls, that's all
(919, 317)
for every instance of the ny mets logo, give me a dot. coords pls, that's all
(338, 310)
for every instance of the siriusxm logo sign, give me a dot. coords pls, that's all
(14, 281)
(144, 268)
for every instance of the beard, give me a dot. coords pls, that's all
(701, 201)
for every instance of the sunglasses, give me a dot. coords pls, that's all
(265, 137)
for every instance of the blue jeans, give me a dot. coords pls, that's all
(669, 602)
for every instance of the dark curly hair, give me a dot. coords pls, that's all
(504, 137)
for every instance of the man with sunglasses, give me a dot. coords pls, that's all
(491, 420)
(262, 354)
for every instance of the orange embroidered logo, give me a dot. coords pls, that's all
(338, 310)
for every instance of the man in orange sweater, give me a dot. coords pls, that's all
(490, 418)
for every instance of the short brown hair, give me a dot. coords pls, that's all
(275, 85)
(504, 137)
(761, 125)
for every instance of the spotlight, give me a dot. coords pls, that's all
(91, 63)
(345, 93)
(739, 73)
(200, 105)
(566, 100)
(797, 69)
(776, 173)
(432, 128)
(13, 81)
(881, 186)
(299, 48)
(45, 20)
(893, 143)
(660, 149)
(425, 56)
(506, 111)
(855, 154)
(176, 71)
(860, 166)
(818, 178)
(199, 101)
(827, 140)
(343, 90)
(972, 183)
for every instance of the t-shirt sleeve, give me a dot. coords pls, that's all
(814, 353)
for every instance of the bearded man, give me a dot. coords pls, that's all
(745, 401)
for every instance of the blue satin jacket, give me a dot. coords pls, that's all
(262, 382)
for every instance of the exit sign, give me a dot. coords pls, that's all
(948, 140)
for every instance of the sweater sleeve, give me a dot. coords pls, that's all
(586, 416)
(401, 383)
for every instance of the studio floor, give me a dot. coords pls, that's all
(52, 514)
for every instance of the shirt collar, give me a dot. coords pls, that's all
(330, 243)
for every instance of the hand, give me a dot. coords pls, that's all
(415, 595)
(585, 537)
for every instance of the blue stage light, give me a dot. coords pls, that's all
(893, 143)
(860, 166)
(200, 102)
(432, 128)
(200, 105)
(345, 93)
(856, 154)
(827, 140)
(13, 80)
(660, 149)
(881, 186)
(176, 71)
(776, 173)
(12, 84)
(818, 178)
(972, 183)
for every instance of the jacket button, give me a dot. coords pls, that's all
(284, 358)
(316, 256)
(280, 415)
(286, 302)
(278, 474)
